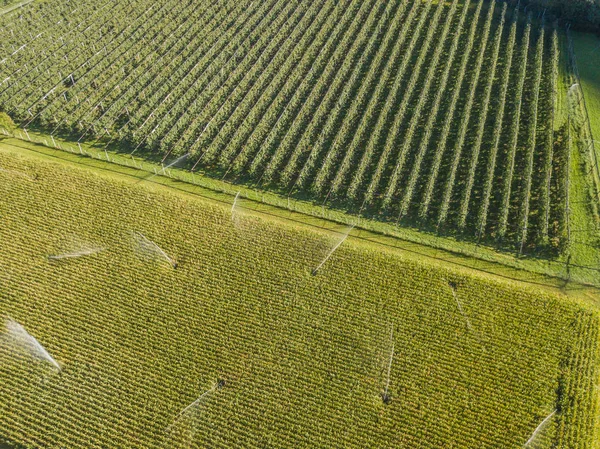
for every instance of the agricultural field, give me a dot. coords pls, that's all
(295, 223)
(440, 116)
(226, 337)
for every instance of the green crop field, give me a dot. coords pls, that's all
(299, 224)
(435, 115)
(299, 360)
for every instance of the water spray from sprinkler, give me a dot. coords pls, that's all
(386, 396)
(459, 304)
(538, 430)
(237, 195)
(17, 173)
(194, 406)
(19, 340)
(344, 237)
(164, 168)
(453, 286)
(76, 254)
(572, 89)
(148, 247)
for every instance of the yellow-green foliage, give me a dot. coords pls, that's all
(304, 358)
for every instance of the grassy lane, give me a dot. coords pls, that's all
(587, 51)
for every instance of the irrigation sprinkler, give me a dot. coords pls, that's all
(386, 397)
(76, 254)
(164, 167)
(147, 247)
(194, 406)
(344, 237)
(459, 304)
(20, 340)
(237, 195)
(539, 429)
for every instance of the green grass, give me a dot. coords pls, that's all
(585, 227)
(587, 50)
(304, 357)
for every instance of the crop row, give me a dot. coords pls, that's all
(302, 356)
(401, 111)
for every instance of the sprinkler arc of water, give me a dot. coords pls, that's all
(157, 249)
(386, 397)
(237, 195)
(464, 315)
(17, 172)
(196, 402)
(538, 429)
(76, 254)
(461, 310)
(25, 338)
(164, 168)
(338, 244)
